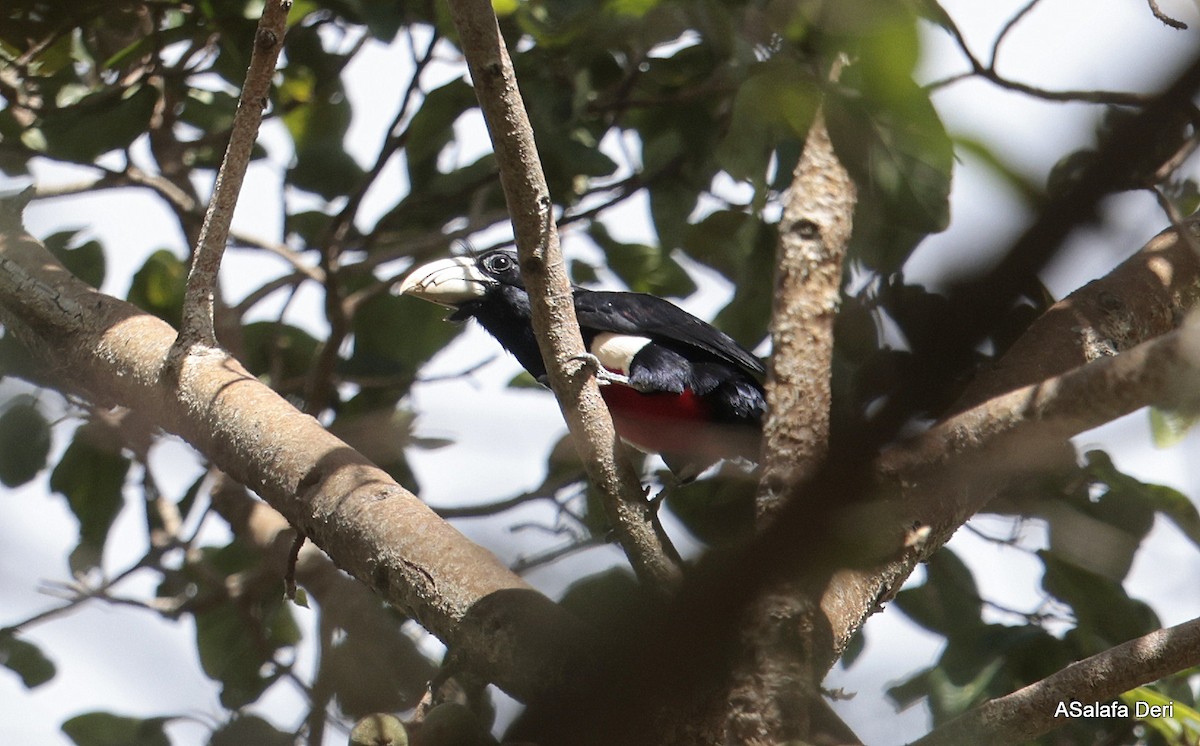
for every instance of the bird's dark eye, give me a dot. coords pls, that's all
(498, 263)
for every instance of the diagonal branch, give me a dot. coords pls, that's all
(117, 355)
(197, 323)
(554, 323)
(1030, 712)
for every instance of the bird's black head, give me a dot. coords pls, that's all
(463, 283)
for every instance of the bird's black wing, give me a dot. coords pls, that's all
(650, 316)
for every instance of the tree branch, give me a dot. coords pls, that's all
(114, 354)
(952, 471)
(196, 326)
(554, 323)
(1030, 712)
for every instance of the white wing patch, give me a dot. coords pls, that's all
(616, 351)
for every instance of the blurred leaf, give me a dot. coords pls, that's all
(718, 511)
(91, 475)
(395, 336)
(235, 643)
(24, 442)
(432, 128)
(1086, 541)
(776, 102)
(25, 660)
(723, 240)
(1135, 494)
(86, 261)
(158, 287)
(854, 648)
(947, 698)
(1169, 428)
(106, 729)
(250, 729)
(606, 599)
(317, 115)
(277, 352)
(1181, 726)
(95, 125)
(452, 724)
(948, 601)
(643, 268)
(897, 144)
(1104, 612)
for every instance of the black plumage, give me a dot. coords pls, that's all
(687, 390)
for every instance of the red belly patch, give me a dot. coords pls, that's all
(666, 423)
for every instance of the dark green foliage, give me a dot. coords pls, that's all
(158, 287)
(107, 729)
(24, 442)
(91, 475)
(26, 660)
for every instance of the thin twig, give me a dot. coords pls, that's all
(1166, 19)
(198, 308)
(650, 552)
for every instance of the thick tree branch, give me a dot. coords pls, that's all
(116, 355)
(774, 671)
(1143, 298)
(531, 208)
(814, 235)
(1030, 712)
(198, 309)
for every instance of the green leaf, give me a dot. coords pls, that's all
(250, 729)
(718, 511)
(948, 601)
(643, 268)
(24, 442)
(86, 261)
(895, 143)
(724, 240)
(95, 125)
(1173, 720)
(158, 287)
(25, 660)
(395, 335)
(1105, 614)
(317, 117)
(432, 128)
(106, 729)
(235, 643)
(277, 352)
(776, 102)
(1133, 493)
(1169, 427)
(671, 203)
(91, 476)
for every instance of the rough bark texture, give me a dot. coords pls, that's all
(773, 681)
(632, 516)
(115, 355)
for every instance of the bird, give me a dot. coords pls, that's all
(674, 384)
